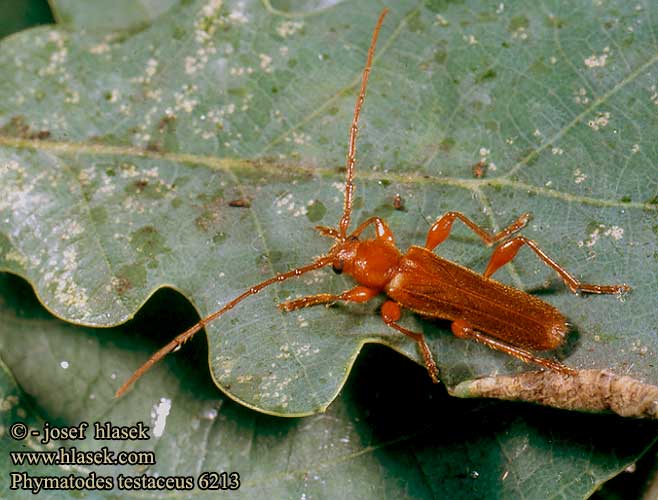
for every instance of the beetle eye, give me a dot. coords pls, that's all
(338, 267)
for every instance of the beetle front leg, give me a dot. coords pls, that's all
(358, 294)
(391, 314)
(382, 231)
(441, 228)
(463, 329)
(507, 251)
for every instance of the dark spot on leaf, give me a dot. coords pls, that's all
(98, 215)
(538, 67)
(398, 202)
(625, 199)
(219, 238)
(518, 22)
(447, 144)
(275, 256)
(144, 188)
(240, 203)
(148, 242)
(415, 22)
(110, 172)
(440, 56)
(592, 226)
(17, 127)
(165, 122)
(176, 202)
(333, 110)
(490, 74)
(652, 201)
(292, 63)
(555, 22)
(179, 33)
(480, 169)
(491, 125)
(316, 211)
(122, 285)
(140, 185)
(237, 91)
(438, 5)
(384, 210)
(130, 276)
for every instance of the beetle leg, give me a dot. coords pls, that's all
(391, 314)
(462, 329)
(507, 251)
(357, 294)
(381, 229)
(442, 227)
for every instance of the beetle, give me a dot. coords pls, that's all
(497, 315)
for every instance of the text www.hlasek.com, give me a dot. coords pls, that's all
(73, 456)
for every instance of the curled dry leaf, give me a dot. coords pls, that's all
(588, 390)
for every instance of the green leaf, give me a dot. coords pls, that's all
(119, 159)
(93, 15)
(390, 434)
(21, 14)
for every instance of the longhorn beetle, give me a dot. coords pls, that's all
(480, 308)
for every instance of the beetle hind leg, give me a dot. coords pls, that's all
(506, 251)
(462, 329)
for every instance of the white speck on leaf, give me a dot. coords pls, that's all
(442, 21)
(579, 176)
(601, 121)
(159, 414)
(265, 63)
(289, 28)
(599, 61)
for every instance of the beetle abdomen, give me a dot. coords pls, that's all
(437, 288)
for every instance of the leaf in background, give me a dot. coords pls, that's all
(21, 14)
(94, 15)
(390, 434)
(119, 158)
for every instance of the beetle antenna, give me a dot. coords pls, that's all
(189, 333)
(351, 149)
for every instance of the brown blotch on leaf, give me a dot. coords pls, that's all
(398, 202)
(240, 203)
(165, 121)
(480, 169)
(41, 135)
(18, 127)
(122, 285)
(587, 391)
(140, 185)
